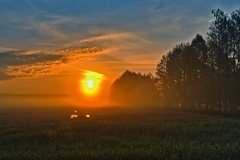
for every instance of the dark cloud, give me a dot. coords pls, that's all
(19, 64)
(14, 58)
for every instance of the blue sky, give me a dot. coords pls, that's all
(54, 38)
(37, 24)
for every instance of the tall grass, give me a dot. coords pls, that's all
(117, 134)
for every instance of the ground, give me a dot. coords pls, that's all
(116, 133)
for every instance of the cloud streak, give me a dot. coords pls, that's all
(105, 37)
(26, 64)
(109, 31)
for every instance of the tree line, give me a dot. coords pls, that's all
(205, 73)
(134, 89)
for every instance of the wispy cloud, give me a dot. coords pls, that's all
(105, 37)
(125, 31)
(36, 70)
(4, 49)
(22, 64)
(13, 58)
(40, 29)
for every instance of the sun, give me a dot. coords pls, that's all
(91, 83)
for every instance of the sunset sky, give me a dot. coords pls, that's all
(47, 46)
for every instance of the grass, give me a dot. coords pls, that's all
(116, 133)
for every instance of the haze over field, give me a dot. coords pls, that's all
(119, 79)
(75, 50)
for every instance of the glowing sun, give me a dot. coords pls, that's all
(91, 83)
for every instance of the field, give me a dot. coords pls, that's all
(116, 133)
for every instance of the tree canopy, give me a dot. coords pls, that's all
(134, 89)
(205, 73)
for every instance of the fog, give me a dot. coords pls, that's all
(26, 101)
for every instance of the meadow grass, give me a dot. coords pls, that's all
(116, 133)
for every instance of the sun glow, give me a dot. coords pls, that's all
(91, 83)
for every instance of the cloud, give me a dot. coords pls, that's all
(106, 58)
(105, 37)
(31, 4)
(4, 75)
(109, 47)
(73, 54)
(5, 49)
(127, 31)
(30, 31)
(22, 64)
(13, 58)
(34, 70)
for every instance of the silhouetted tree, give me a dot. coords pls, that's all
(235, 41)
(218, 42)
(204, 75)
(171, 76)
(200, 69)
(181, 74)
(223, 42)
(134, 89)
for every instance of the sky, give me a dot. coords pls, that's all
(46, 46)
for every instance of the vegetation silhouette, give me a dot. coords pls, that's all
(182, 74)
(134, 89)
(203, 75)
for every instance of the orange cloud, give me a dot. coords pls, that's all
(22, 64)
(34, 70)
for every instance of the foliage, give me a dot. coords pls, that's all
(134, 89)
(181, 73)
(205, 74)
